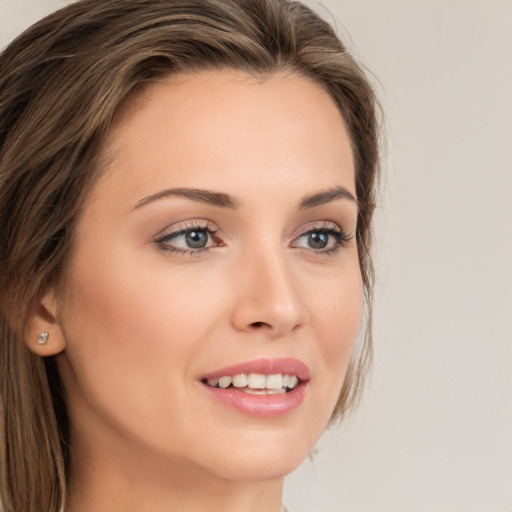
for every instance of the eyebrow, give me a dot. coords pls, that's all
(223, 200)
(218, 199)
(326, 197)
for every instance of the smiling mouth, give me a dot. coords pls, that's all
(256, 383)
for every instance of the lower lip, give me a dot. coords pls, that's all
(263, 406)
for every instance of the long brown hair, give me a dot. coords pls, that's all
(61, 83)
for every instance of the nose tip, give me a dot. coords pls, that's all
(267, 300)
(274, 320)
(280, 323)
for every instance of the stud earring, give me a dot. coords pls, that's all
(42, 339)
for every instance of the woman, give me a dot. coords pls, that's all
(186, 194)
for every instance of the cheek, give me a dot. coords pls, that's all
(336, 318)
(129, 329)
(134, 331)
(336, 308)
(125, 304)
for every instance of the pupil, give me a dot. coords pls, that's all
(318, 240)
(196, 239)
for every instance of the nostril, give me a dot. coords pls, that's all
(258, 325)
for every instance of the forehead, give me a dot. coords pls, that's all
(210, 128)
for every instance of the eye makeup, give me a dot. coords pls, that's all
(191, 238)
(199, 236)
(324, 238)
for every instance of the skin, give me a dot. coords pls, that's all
(136, 324)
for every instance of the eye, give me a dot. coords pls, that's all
(325, 238)
(196, 238)
(188, 240)
(318, 240)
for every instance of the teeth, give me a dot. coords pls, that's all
(274, 381)
(281, 391)
(257, 383)
(293, 381)
(224, 382)
(255, 391)
(240, 380)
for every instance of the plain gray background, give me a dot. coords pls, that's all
(434, 432)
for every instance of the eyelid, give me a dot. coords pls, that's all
(332, 228)
(163, 240)
(317, 225)
(181, 227)
(324, 225)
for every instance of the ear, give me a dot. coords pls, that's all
(43, 334)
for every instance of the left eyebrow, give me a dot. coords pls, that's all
(218, 199)
(325, 197)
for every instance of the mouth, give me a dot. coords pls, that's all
(264, 387)
(256, 383)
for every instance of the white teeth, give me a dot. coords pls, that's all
(257, 381)
(275, 384)
(255, 391)
(274, 381)
(240, 380)
(293, 381)
(281, 391)
(224, 382)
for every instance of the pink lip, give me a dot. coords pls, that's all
(263, 406)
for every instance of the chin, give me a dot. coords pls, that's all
(260, 456)
(270, 467)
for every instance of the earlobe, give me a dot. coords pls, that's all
(43, 334)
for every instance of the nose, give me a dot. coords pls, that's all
(267, 297)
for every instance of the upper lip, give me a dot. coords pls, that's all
(285, 365)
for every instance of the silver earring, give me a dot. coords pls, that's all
(42, 339)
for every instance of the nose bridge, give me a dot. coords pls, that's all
(267, 295)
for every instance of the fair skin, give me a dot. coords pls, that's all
(162, 290)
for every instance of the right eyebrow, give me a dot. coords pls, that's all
(325, 197)
(218, 199)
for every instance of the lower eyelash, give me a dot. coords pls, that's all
(342, 240)
(178, 250)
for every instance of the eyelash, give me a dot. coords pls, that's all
(342, 239)
(208, 228)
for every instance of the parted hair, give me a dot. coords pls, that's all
(61, 84)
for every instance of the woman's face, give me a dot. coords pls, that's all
(219, 242)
